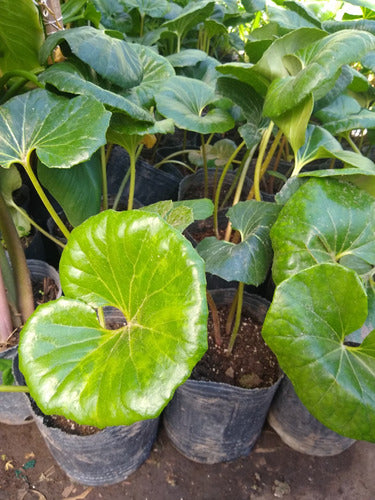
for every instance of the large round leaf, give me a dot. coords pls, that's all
(112, 58)
(63, 132)
(249, 260)
(311, 314)
(326, 220)
(136, 262)
(185, 100)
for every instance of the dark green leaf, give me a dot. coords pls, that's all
(62, 132)
(310, 316)
(78, 189)
(249, 260)
(112, 58)
(326, 220)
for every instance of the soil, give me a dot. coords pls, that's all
(272, 470)
(251, 363)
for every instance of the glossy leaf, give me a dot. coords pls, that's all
(322, 67)
(62, 132)
(112, 58)
(292, 20)
(245, 73)
(156, 70)
(137, 263)
(326, 220)
(78, 190)
(66, 77)
(311, 314)
(21, 35)
(369, 325)
(185, 101)
(294, 122)
(249, 260)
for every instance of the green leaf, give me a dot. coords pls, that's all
(156, 70)
(185, 101)
(369, 325)
(136, 262)
(187, 57)
(249, 260)
(322, 66)
(149, 7)
(294, 122)
(291, 20)
(62, 132)
(311, 314)
(10, 180)
(112, 58)
(245, 73)
(190, 16)
(345, 114)
(66, 77)
(326, 220)
(202, 208)
(21, 35)
(78, 190)
(6, 375)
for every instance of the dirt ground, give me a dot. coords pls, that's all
(272, 470)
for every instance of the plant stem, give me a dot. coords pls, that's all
(215, 318)
(352, 143)
(103, 163)
(232, 311)
(39, 228)
(205, 167)
(6, 326)
(237, 321)
(38, 188)
(17, 257)
(220, 184)
(132, 156)
(142, 24)
(14, 388)
(240, 184)
(101, 317)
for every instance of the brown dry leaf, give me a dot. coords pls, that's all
(9, 465)
(82, 495)
(30, 455)
(30, 495)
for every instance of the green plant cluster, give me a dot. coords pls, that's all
(261, 84)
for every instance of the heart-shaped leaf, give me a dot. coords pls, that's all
(326, 220)
(185, 101)
(149, 7)
(311, 314)
(189, 17)
(112, 58)
(249, 260)
(139, 264)
(63, 132)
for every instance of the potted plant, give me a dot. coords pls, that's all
(323, 267)
(119, 379)
(242, 392)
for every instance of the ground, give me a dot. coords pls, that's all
(272, 470)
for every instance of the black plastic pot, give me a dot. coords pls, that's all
(14, 407)
(299, 429)
(192, 186)
(107, 457)
(151, 184)
(211, 422)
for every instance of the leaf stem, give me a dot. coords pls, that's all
(237, 321)
(14, 388)
(215, 318)
(103, 163)
(38, 188)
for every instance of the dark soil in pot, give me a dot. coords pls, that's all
(251, 364)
